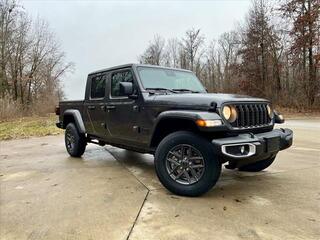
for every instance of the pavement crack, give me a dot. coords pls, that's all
(145, 198)
(137, 217)
(124, 166)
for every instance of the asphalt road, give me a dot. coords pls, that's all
(114, 194)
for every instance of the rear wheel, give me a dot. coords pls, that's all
(186, 165)
(74, 141)
(258, 166)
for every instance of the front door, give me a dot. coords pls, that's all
(122, 111)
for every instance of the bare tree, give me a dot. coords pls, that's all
(258, 43)
(32, 63)
(154, 54)
(212, 79)
(272, 55)
(8, 11)
(304, 50)
(172, 53)
(228, 46)
(192, 45)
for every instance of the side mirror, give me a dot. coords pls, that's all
(126, 88)
(278, 118)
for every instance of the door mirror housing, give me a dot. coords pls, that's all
(126, 88)
(278, 118)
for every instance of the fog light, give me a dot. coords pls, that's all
(239, 150)
(242, 149)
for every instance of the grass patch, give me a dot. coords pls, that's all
(29, 127)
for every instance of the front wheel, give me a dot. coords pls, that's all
(186, 164)
(74, 141)
(258, 166)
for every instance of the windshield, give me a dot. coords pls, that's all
(177, 80)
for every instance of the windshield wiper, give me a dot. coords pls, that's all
(184, 90)
(161, 89)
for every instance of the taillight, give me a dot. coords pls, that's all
(57, 110)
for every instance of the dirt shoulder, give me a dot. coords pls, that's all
(29, 127)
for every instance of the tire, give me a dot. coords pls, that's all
(258, 166)
(74, 141)
(176, 147)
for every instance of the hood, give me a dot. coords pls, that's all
(200, 100)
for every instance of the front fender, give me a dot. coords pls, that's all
(188, 115)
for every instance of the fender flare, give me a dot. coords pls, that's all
(187, 115)
(190, 115)
(77, 118)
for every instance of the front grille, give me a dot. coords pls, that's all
(251, 115)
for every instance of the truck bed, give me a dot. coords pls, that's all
(74, 104)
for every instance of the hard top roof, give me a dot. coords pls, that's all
(134, 65)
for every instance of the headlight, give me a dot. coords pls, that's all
(229, 113)
(270, 111)
(226, 111)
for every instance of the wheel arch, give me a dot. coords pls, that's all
(74, 116)
(169, 124)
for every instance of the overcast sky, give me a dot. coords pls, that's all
(100, 34)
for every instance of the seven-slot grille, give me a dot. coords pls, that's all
(251, 115)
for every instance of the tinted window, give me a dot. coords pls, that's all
(98, 86)
(124, 76)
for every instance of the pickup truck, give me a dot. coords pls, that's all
(167, 112)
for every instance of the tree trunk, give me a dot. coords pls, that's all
(312, 80)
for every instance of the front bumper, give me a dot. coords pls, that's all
(248, 148)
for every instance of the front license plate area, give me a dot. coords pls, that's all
(272, 144)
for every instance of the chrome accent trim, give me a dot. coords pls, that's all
(254, 127)
(252, 150)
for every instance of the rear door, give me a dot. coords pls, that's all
(94, 105)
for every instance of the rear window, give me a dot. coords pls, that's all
(98, 86)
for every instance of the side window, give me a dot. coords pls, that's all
(98, 86)
(124, 76)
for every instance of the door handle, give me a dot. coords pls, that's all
(110, 107)
(91, 107)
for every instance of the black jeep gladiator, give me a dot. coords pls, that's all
(167, 112)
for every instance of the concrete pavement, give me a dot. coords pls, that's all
(115, 194)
